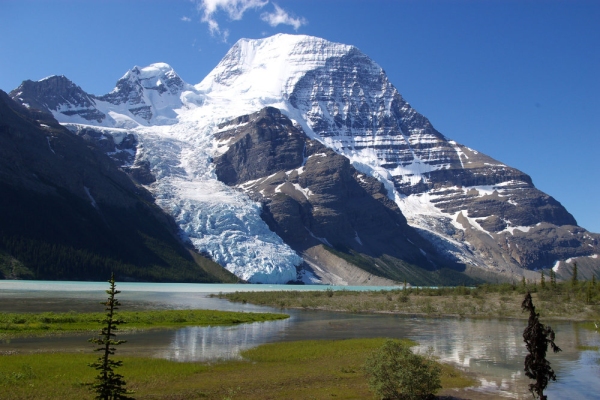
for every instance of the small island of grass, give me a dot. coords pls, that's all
(36, 324)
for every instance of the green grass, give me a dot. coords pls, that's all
(291, 370)
(27, 324)
(587, 348)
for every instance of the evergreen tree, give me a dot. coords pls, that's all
(574, 276)
(108, 384)
(543, 281)
(552, 279)
(537, 337)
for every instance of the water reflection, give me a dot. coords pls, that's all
(220, 342)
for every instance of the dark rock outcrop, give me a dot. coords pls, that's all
(312, 196)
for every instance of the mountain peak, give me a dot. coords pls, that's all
(151, 71)
(148, 93)
(55, 78)
(271, 66)
(49, 84)
(158, 76)
(57, 93)
(285, 40)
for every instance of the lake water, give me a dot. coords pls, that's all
(493, 350)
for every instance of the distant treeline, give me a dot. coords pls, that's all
(45, 261)
(62, 238)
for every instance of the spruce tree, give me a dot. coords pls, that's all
(109, 385)
(543, 281)
(574, 276)
(537, 337)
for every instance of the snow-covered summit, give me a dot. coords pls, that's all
(270, 67)
(149, 95)
(345, 100)
(160, 77)
(339, 96)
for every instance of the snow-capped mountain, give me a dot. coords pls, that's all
(149, 95)
(143, 96)
(470, 209)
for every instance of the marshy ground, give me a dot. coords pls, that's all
(561, 301)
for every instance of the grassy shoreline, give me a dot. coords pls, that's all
(560, 302)
(49, 323)
(319, 369)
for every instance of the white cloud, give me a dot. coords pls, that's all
(186, 19)
(280, 16)
(235, 9)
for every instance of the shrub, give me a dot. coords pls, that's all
(395, 372)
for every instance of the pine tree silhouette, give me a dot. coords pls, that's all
(108, 384)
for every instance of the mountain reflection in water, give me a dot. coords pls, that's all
(220, 342)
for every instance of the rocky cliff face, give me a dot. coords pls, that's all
(312, 196)
(443, 188)
(57, 94)
(467, 208)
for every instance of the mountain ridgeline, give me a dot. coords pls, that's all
(294, 160)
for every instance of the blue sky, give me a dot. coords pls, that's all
(517, 80)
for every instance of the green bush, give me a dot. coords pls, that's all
(395, 372)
